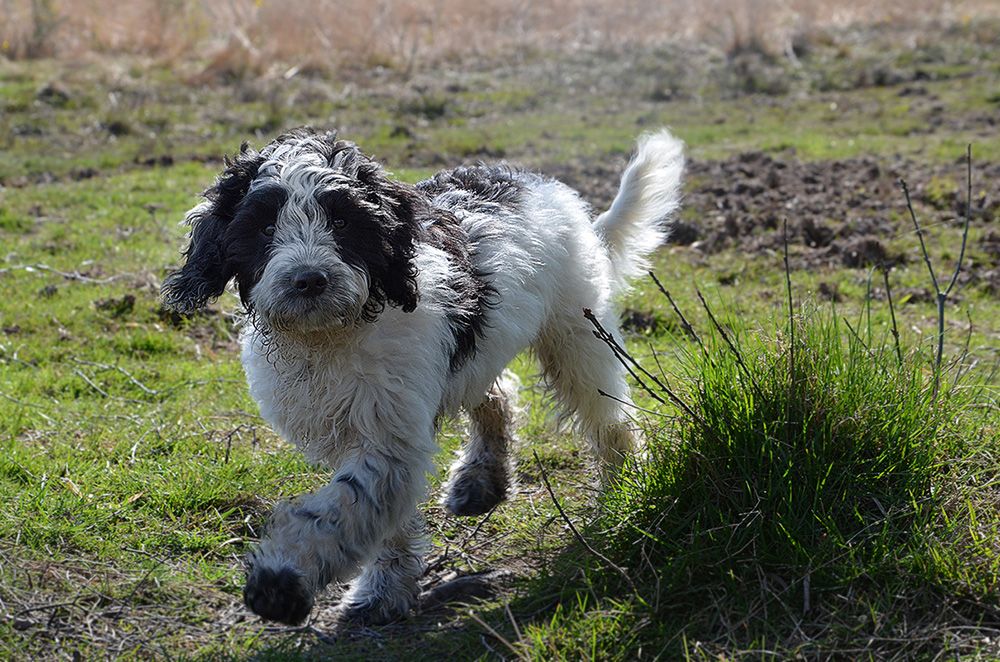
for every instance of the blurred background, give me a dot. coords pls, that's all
(254, 37)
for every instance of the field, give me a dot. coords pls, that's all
(136, 472)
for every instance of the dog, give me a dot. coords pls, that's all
(373, 308)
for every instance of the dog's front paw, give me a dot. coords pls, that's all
(476, 488)
(278, 595)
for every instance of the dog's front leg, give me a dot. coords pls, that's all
(328, 535)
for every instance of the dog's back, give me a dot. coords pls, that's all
(535, 243)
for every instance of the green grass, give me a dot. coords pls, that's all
(135, 471)
(813, 496)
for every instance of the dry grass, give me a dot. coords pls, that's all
(241, 37)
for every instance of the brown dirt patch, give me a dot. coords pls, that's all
(840, 212)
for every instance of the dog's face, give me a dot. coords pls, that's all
(314, 233)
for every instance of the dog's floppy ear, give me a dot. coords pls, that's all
(205, 273)
(394, 275)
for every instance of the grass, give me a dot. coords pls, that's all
(814, 495)
(135, 471)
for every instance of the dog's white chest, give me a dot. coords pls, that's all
(335, 401)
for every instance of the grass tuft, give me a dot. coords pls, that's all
(799, 507)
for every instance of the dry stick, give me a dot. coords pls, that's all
(583, 541)
(104, 366)
(791, 314)
(725, 336)
(688, 329)
(791, 331)
(620, 353)
(496, 635)
(892, 314)
(91, 384)
(943, 296)
(858, 337)
(630, 405)
(625, 359)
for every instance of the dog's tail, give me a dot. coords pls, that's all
(637, 221)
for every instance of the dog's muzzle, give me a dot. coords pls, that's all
(310, 283)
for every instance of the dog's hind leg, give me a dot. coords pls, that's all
(481, 476)
(578, 366)
(388, 586)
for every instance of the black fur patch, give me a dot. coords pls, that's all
(488, 187)
(488, 184)
(205, 272)
(278, 595)
(467, 319)
(246, 239)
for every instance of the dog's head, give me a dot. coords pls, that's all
(314, 233)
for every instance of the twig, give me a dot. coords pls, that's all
(625, 359)
(70, 275)
(496, 635)
(632, 405)
(943, 296)
(688, 329)
(791, 335)
(92, 384)
(920, 234)
(858, 337)
(620, 353)
(892, 314)
(583, 541)
(104, 366)
(27, 404)
(791, 311)
(51, 605)
(732, 346)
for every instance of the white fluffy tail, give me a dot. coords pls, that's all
(636, 224)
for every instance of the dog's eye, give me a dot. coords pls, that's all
(268, 231)
(338, 223)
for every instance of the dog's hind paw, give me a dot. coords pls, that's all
(475, 489)
(278, 595)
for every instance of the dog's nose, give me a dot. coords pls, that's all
(310, 283)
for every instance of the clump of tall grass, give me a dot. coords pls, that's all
(816, 461)
(811, 489)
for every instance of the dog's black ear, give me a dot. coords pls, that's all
(394, 276)
(205, 272)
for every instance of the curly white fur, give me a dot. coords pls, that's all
(363, 397)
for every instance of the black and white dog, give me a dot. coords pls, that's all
(374, 307)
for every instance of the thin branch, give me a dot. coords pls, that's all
(688, 329)
(732, 346)
(621, 401)
(791, 310)
(583, 541)
(943, 296)
(69, 275)
(920, 234)
(27, 404)
(858, 337)
(625, 359)
(968, 218)
(91, 384)
(496, 635)
(892, 314)
(104, 366)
